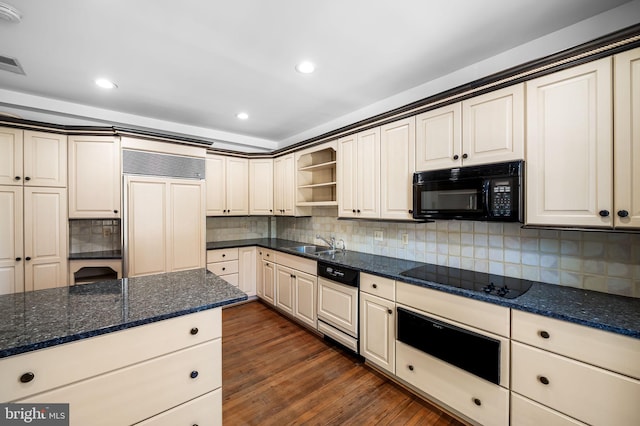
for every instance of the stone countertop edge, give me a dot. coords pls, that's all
(607, 312)
(45, 318)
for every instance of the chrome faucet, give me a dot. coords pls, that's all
(331, 244)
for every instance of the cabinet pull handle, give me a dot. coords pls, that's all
(27, 178)
(193, 374)
(604, 213)
(544, 334)
(27, 258)
(455, 157)
(27, 377)
(18, 259)
(410, 367)
(410, 211)
(115, 211)
(477, 401)
(623, 213)
(354, 210)
(465, 156)
(374, 285)
(358, 211)
(389, 311)
(224, 269)
(543, 380)
(16, 178)
(223, 255)
(194, 331)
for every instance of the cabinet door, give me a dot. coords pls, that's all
(11, 143)
(261, 187)
(147, 226)
(569, 147)
(45, 238)
(368, 172)
(45, 159)
(247, 272)
(397, 164)
(285, 290)
(237, 191)
(377, 334)
(306, 286)
(493, 127)
(187, 227)
(259, 274)
(11, 244)
(439, 138)
(94, 177)
(284, 185)
(347, 175)
(216, 185)
(627, 139)
(269, 281)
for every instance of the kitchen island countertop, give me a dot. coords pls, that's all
(39, 319)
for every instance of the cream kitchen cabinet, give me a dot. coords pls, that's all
(397, 164)
(585, 373)
(261, 187)
(569, 147)
(227, 186)
(94, 177)
(285, 289)
(377, 321)
(316, 176)
(247, 270)
(268, 282)
(284, 187)
(178, 361)
(359, 175)
(33, 158)
(35, 249)
(225, 264)
(626, 143)
(165, 226)
(485, 129)
(296, 286)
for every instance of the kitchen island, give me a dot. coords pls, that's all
(120, 351)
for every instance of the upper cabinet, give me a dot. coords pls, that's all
(626, 145)
(317, 185)
(227, 186)
(569, 176)
(359, 175)
(261, 186)
(484, 129)
(397, 164)
(33, 158)
(284, 187)
(94, 177)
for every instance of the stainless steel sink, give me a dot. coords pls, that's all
(311, 249)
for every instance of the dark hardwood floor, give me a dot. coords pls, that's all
(275, 372)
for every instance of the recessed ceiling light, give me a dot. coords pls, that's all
(105, 84)
(305, 67)
(242, 115)
(9, 13)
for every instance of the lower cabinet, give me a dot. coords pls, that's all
(224, 263)
(377, 321)
(181, 369)
(525, 412)
(296, 293)
(266, 275)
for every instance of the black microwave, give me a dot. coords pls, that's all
(491, 192)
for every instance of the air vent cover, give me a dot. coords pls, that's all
(10, 64)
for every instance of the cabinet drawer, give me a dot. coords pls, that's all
(484, 316)
(482, 401)
(378, 286)
(300, 263)
(140, 391)
(202, 411)
(266, 254)
(222, 255)
(588, 393)
(525, 412)
(224, 268)
(70, 362)
(608, 350)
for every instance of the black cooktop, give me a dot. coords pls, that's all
(497, 285)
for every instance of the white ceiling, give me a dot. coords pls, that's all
(188, 67)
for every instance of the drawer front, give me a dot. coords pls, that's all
(484, 316)
(525, 412)
(202, 411)
(135, 393)
(222, 255)
(588, 393)
(378, 286)
(267, 254)
(482, 401)
(296, 262)
(608, 350)
(224, 268)
(70, 362)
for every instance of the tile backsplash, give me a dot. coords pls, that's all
(601, 261)
(89, 235)
(238, 228)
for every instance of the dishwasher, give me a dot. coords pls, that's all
(338, 304)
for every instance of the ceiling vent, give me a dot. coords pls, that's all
(11, 64)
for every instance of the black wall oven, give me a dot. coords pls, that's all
(491, 192)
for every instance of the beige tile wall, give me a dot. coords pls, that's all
(88, 235)
(602, 261)
(237, 228)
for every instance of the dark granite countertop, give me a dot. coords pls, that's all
(43, 318)
(617, 314)
(89, 255)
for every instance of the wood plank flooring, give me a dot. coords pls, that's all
(275, 372)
